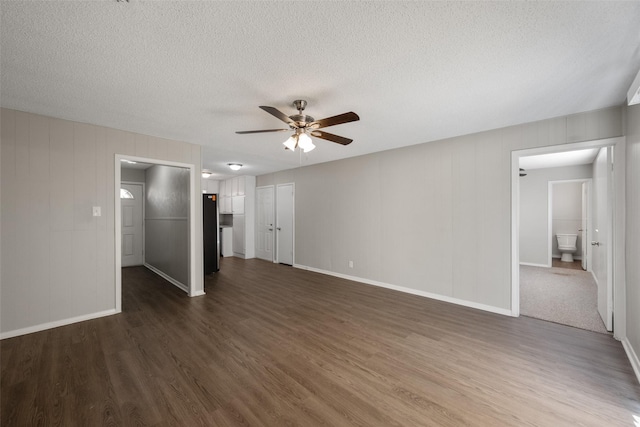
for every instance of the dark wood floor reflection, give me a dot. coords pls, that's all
(271, 345)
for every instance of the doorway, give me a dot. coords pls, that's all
(132, 214)
(264, 222)
(614, 180)
(569, 213)
(285, 224)
(194, 276)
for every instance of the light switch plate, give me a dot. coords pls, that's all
(97, 211)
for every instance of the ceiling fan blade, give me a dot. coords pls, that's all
(334, 120)
(261, 131)
(331, 137)
(279, 114)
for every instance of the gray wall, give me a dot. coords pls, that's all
(534, 210)
(433, 218)
(633, 228)
(132, 175)
(167, 221)
(58, 261)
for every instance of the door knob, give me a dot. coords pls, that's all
(278, 228)
(271, 229)
(595, 243)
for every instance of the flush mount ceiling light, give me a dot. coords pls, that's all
(206, 173)
(235, 166)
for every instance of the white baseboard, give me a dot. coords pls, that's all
(489, 308)
(197, 294)
(168, 278)
(531, 264)
(633, 357)
(56, 324)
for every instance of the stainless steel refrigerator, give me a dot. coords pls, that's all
(211, 233)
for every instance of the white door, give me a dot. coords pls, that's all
(583, 225)
(284, 224)
(602, 247)
(264, 223)
(131, 203)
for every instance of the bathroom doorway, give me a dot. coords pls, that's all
(569, 216)
(533, 246)
(553, 285)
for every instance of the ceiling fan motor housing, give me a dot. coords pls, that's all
(301, 119)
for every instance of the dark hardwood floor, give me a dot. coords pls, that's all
(277, 346)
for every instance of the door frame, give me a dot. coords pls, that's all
(273, 213)
(617, 231)
(587, 235)
(194, 195)
(276, 258)
(144, 192)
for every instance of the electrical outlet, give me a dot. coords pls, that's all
(350, 264)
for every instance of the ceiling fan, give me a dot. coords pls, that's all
(304, 125)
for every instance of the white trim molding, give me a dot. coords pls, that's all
(632, 356)
(168, 278)
(56, 324)
(430, 295)
(531, 264)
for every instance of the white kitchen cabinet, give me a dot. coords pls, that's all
(227, 241)
(225, 205)
(237, 205)
(224, 199)
(235, 183)
(239, 233)
(237, 186)
(210, 186)
(242, 205)
(242, 185)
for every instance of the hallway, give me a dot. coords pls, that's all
(562, 295)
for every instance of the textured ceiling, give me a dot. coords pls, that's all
(414, 72)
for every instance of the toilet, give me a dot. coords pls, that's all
(567, 246)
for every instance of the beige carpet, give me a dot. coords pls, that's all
(560, 295)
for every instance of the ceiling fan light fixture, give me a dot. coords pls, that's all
(305, 143)
(300, 124)
(234, 166)
(291, 143)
